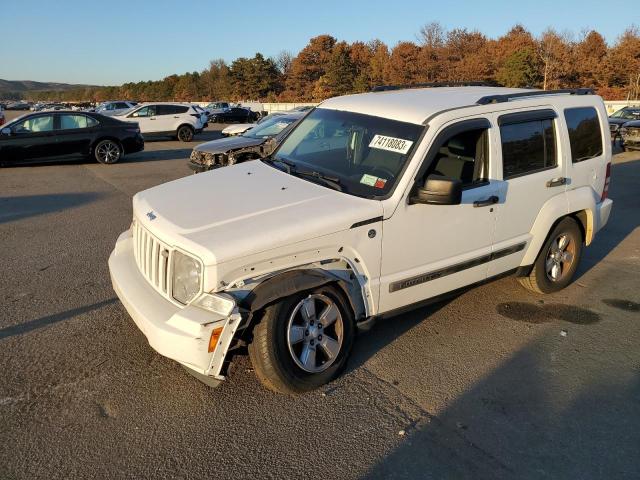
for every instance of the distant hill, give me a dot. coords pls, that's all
(21, 88)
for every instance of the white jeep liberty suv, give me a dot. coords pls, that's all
(373, 203)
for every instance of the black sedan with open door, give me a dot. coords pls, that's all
(49, 136)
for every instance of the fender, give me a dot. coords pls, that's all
(582, 202)
(555, 208)
(293, 281)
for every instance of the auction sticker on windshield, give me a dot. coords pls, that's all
(391, 144)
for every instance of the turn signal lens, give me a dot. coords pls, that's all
(215, 337)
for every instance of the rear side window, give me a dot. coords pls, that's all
(527, 147)
(584, 133)
(71, 122)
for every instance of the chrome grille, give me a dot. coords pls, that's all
(153, 259)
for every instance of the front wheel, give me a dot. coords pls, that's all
(107, 152)
(185, 134)
(558, 260)
(303, 341)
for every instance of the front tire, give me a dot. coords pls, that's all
(303, 341)
(558, 260)
(185, 133)
(107, 152)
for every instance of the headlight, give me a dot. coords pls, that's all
(186, 277)
(623, 131)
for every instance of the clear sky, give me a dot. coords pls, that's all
(114, 41)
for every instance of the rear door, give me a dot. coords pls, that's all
(75, 133)
(532, 172)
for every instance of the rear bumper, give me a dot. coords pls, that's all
(134, 144)
(179, 333)
(602, 213)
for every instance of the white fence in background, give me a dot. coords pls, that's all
(614, 106)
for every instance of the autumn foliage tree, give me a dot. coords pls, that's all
(327, 67)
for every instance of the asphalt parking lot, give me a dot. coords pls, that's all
(495, 383)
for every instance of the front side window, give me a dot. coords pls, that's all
(464, 157)
(148, 111)
(35, 125)
(69, 122)
(585, 136)
(363, 154)
(527, 147)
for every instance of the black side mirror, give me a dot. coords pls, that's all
(438, 190)
(6, 131)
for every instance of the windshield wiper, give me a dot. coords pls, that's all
(272, 161)
(331, 182)
(292, 169)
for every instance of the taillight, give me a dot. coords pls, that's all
(607, 181)
(197, 115)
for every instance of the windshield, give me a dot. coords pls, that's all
(365, 154)
(269, 128)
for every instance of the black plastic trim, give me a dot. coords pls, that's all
(385, 88)
(443, 272)
(534, 93)
(528, 116)
(367, 222)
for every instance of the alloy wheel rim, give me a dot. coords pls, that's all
(560, 257)
(109, 152)
(315, 332)
(184, 134)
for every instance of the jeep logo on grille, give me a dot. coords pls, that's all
(151, 215)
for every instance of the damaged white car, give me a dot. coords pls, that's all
(374, 203)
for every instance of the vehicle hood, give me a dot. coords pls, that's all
(238, 127)
(245, 209)
(223, 145)
(632, 124)
(618, 121)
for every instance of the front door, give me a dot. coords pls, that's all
(432, 249)
(146, 118)
(33, 138)
(533, 164)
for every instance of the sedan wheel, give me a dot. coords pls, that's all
(107, 152)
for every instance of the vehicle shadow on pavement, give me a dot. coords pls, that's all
(51, 319)
(26, 206)
(522, 422)
(624, 219)
(385, 330)
(154, 155)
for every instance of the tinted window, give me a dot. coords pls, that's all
(527, 147)
(68, 122)
(121, 105)
(463, 157)
(180, 109)
(584, 133)
(35, 125)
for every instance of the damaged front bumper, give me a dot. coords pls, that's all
(182, 334)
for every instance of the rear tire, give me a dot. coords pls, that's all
(107, 152)
(303, 341)
(558, 259)
(185, 133)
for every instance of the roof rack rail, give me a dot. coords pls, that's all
(384, 88)
(534, 93)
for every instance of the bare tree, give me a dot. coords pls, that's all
(283, 61)
(432, 35)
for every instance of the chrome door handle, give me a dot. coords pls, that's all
(556, 182)
(493, 199)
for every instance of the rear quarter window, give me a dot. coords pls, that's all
(585, 135)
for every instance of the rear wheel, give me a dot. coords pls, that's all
(185, 133)
(303, 341)
(558, 260)
(107, 152)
